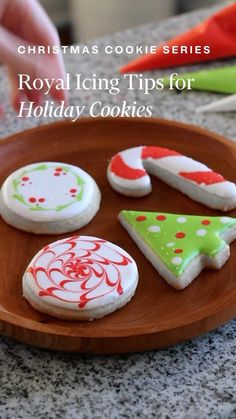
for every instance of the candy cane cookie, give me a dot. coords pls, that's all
(49, 198)
(128, 174)
(80, 278)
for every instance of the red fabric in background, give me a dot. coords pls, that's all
(218, 31)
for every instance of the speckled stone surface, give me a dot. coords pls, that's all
(193, 380)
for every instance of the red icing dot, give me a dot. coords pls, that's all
(178, 250)
(41, 200)
(160, 217)
(25, 178)
(58, 169)
(56, 174)
(180, 235)
(73, 190)
(32, 200)
(141, 218)
(205, 222)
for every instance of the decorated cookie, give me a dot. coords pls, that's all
(49, 198)
(128, 174)
(80, 278)
(180, 246)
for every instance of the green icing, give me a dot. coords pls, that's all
(19, 197)
(220, 79)
(195, 235)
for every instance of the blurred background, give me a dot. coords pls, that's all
(82, 20)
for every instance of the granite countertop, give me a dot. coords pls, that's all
(195, 379)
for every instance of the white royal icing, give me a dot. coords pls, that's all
(48, 191)
(81, 272)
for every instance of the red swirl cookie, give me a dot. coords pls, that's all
(80, 278)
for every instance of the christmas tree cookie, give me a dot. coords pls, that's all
(180, 246)
(49, 198)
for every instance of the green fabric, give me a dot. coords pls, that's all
(222, 80)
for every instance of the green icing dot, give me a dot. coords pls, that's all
(176, 238)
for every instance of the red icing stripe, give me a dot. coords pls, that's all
(207, 177)
(120, 168)
(157, 152)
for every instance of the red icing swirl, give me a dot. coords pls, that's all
(207, 177)
(78, 270)
(155, 152)
(120, 168)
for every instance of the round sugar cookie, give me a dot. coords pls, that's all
(49, 198)
(80, 278)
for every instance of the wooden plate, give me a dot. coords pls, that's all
(158, 315)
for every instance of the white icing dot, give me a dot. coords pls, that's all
(181, 220)
(170, 244)
(176, 260)
(154, 229)
(201, 232)
(224, 220)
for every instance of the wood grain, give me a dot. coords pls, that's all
(158, 315)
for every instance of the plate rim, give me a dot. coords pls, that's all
(61, 330)
(84, 120)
